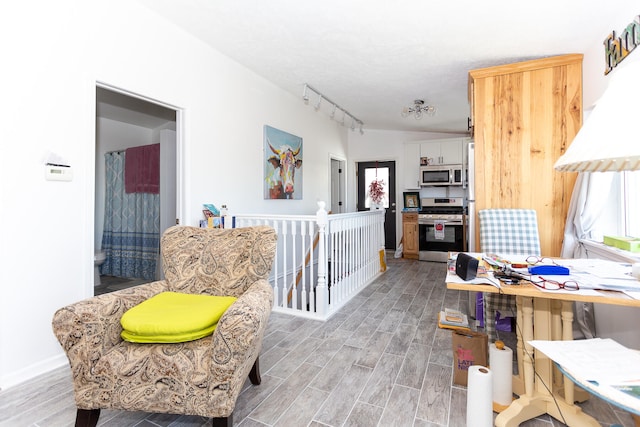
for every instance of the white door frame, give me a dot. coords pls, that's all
(91, 178)
(341, 185)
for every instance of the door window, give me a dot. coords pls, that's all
(382, 175)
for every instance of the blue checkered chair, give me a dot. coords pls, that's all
(506, 232)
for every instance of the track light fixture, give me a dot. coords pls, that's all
(354, 120)
(419, 109)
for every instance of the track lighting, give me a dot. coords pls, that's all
(354, 120)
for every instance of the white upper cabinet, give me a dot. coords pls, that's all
(443, 152)
(412, 166)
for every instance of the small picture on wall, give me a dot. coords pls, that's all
(411, 200)
(282, 165)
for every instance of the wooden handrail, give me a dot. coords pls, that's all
(316, 239)
(306, 263)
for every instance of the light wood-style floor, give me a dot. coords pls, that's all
(380, 361)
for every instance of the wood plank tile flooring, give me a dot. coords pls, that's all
(380, 361)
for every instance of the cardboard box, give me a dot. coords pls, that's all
(630, 244)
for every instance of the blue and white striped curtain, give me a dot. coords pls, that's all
(131, 237)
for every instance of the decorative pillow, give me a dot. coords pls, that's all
(170, 317)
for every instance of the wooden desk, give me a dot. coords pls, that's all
(552, 313)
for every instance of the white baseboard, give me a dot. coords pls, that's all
(42, 367)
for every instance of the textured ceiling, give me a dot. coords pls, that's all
(374, 57)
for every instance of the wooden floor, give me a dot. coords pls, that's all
(380, 361)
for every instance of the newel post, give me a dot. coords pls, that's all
(322, 299)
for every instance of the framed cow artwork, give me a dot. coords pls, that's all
(282, 165)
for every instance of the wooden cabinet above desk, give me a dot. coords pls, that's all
(410, 247)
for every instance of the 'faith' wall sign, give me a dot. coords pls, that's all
(618, 48)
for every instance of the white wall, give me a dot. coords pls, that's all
(57, 55)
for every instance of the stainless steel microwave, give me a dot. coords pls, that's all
(441, 175)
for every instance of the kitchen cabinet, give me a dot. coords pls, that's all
(525, 115)
(411, 166)
(444, 152)
(410, 247)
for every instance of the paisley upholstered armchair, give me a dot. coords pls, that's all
(201, 377)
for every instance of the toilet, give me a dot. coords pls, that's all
(98, 258)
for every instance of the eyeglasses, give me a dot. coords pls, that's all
(552, 285)
(533, 260)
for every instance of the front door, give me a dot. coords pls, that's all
(385, 172)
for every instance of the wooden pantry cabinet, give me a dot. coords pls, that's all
(410, 247)
(524, 116)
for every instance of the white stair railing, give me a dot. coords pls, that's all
(316, 280)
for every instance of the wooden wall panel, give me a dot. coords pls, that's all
(525, 116)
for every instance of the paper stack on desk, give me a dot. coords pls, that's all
(600, 274)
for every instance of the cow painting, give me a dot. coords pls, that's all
(281, 164)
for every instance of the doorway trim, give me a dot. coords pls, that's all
(342, 182)
(353, 184)
(91, 173)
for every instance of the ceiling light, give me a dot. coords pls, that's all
(418, 109)
(354, 120)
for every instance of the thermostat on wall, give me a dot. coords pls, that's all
(56, 172)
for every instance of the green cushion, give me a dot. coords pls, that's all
(170, 317)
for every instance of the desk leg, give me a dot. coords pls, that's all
(569, 391)
(537, 399)
(527, 406)
(567, 335)
(556, 335)
(527, 335)
(518, 380)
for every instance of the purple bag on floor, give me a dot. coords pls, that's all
(503, 324)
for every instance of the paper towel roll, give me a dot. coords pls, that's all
(479, 403)
(501, 363)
